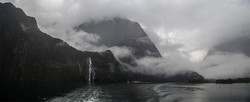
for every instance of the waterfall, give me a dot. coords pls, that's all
(91, 71)
(80, 68)
(90, 68)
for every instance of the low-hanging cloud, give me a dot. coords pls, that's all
(181, 29)
(225, 65)
(85, 41)
(121, 52)
(161, 66)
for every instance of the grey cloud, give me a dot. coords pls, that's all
(157, 66)
(226, 65)
(121, 52)
(189, 21)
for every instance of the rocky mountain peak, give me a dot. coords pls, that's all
(122, 32)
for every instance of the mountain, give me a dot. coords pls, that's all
(26, 53)
(122, 32)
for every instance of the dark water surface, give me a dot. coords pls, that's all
(164, 92)
(169, 92)
(34, 91)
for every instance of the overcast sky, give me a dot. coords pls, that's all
(180, 28)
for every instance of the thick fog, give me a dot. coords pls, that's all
(184, 31)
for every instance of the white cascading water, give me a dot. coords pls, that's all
(91, 71)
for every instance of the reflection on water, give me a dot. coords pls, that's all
(169, 92)
(86, 94)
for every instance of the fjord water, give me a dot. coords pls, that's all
(167, 92)
(149, 92)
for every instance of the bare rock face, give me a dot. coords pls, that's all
(122, 32)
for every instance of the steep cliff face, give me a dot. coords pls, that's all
(26, 53)
(122, 32)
